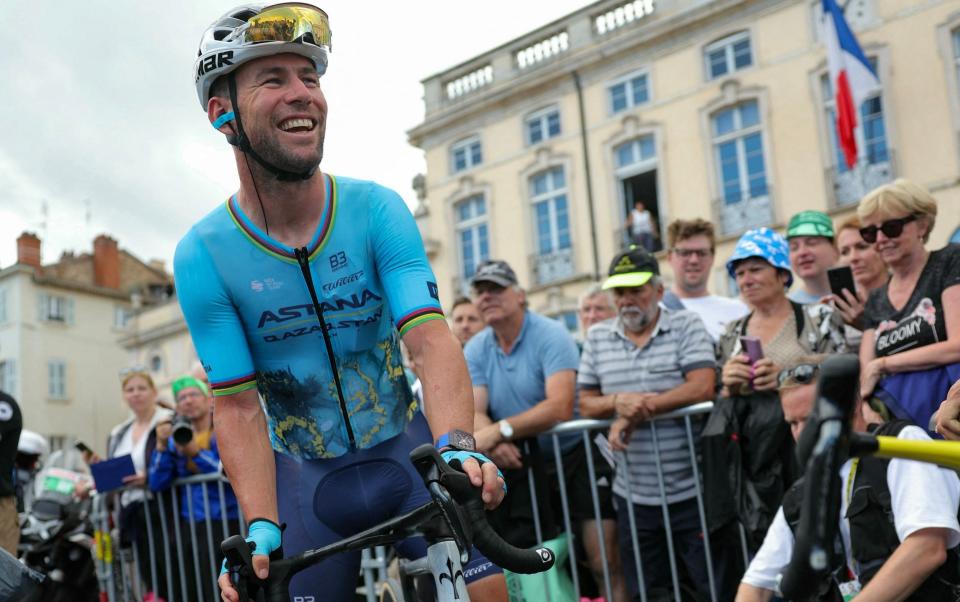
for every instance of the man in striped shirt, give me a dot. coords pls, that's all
(649, 361)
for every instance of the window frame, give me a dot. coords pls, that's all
(738, 135)
(550, 197)
(624, 80)
(57, 379)
(466, 145)
(727, 43)
(473, 223)
(542, 116)
(8, 376)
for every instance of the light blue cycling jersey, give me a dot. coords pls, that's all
(253, 323)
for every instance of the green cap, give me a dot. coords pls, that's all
(810, 223)
(185, 382)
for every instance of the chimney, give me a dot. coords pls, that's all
(106, 262)
(28, 250)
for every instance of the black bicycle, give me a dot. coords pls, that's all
(451, 523)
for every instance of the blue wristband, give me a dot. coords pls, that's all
(265, 535)
(459, 456)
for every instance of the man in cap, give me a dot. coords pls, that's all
(649, 361)
(523, 367)
(812, 253)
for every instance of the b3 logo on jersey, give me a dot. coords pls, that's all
(338, 261)
(432, 289)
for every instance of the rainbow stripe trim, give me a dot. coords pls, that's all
(418, 317)
(280, 250)
(234, 385)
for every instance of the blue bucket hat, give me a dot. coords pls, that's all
(765, 244)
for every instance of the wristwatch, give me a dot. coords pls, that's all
(457, 439)
(506, 431)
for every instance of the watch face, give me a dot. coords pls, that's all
(462, 440)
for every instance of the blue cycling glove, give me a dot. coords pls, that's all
(265, 534)
(459, 456)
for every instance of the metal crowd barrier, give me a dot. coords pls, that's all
(172, 540)
(587, 430)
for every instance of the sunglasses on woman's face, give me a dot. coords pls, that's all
(891, 228)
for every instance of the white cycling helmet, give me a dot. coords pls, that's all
(32, 443)
(250, 32)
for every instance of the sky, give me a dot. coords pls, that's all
(102, 131)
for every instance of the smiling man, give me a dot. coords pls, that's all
(812, 253)
(690, 253)
(300, 287)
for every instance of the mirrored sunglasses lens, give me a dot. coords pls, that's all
(287, 24)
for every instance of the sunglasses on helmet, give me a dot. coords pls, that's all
(891, 228)
(291, 22)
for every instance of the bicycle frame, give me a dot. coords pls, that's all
(449, 522)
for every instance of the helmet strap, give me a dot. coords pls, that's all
(242, 142)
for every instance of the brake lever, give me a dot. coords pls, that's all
(239, 556)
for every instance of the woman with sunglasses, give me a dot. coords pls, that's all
(907, 329)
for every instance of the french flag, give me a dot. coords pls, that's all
(851, 76)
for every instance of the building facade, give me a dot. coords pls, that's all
(718, 109)
(157, 339)
(59, 325)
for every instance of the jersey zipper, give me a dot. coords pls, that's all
(303, 258)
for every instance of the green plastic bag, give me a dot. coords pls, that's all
(553, 586)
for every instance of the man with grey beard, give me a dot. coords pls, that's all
(646, 362)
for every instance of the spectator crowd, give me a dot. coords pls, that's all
(704, 502)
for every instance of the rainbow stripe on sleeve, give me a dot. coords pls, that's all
(418, 317)
(234, 385)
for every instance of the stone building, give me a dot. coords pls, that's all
(719, 109)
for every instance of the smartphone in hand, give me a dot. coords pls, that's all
(752, 347)
(840, 278)
(82, 447)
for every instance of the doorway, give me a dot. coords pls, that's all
(643, 187)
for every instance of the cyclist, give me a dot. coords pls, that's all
(300, 287)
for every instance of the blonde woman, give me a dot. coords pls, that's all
(137, 437)
(911, 339)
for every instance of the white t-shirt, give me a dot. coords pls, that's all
(640, 221)
(716, 311)
(137, 450)
(922, 496)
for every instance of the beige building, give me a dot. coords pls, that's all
(700, 108)
(59, 325)
(157, 338)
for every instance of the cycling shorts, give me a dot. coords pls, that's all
(323, 501)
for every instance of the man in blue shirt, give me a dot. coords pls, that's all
(523, 367)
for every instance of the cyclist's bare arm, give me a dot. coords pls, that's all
(438, 359)
(247, 457)
(915, 559)
(448, 396)
(752, 593)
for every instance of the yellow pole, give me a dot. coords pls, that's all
(943, 453)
